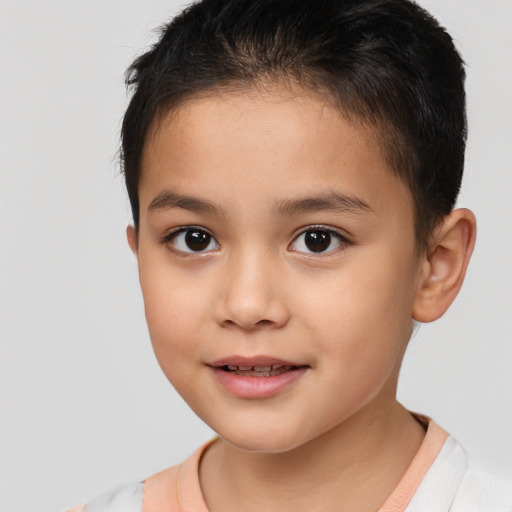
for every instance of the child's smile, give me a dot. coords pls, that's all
(258, 377)
(278, 266)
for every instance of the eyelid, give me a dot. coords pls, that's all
(342, 233)
(174, 232)
(169, 234)
(342, 237)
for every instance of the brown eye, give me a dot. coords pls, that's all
(192, 240)
(318, 241)
(197, 240)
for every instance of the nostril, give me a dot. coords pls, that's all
(249, 326)
(264, 323)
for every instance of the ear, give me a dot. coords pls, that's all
(445, 265)
(133, 239)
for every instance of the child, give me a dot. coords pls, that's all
(292, 168)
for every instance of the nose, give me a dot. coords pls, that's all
(251, 294)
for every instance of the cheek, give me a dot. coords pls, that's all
(174, 314)
(363, 312)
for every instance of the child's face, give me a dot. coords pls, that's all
(272, 233)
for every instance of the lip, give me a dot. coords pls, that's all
(253, 387)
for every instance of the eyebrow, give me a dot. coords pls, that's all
(331, 201)
(167, 200)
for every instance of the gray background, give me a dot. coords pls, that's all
(83, 403)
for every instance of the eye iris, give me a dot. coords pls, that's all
(317, 241)
(197, 240)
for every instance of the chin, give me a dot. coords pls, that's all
(261, 439)
(261, 445)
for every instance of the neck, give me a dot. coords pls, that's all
(371, 450)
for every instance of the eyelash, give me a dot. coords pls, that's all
(173, 234)
(342, 240)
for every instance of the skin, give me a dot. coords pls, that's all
(345, 313)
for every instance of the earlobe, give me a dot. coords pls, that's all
(133, 239)
(445, 265)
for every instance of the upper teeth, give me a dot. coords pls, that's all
(233, 367)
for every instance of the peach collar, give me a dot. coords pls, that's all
(429, 449)
(177, 489)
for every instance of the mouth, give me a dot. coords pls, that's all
(258, 371)
(259, 366)
(259, 377)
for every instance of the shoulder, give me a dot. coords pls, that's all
(481, 490)
(128, 498)
(457, 483)
(174, 488)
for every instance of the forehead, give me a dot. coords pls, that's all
(262, 145)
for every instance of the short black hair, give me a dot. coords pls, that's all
(387, 64)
